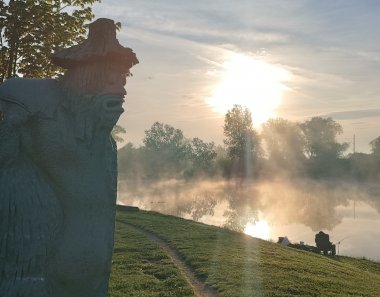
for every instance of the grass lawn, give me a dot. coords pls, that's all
(141, 269)
(232, 263)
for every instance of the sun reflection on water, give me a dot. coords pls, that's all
(259, 229)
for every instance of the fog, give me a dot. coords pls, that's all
(297, 208)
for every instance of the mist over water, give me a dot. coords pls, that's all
(298, 209)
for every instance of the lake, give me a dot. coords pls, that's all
(298, 209)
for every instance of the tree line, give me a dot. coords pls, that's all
(310, 148)
(31, 30)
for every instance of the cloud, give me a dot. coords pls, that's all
(329, 46)
(353, 114)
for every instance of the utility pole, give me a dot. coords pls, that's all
(354, 144)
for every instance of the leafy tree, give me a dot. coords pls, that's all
(285, 144)
(162, 136)
(201, 155)
(116, 131)
(166, 150)
(322, 147)
(241, 140)
(375, 147)
(321, 138)
(31, 30)
(131, 162)
(361, 166)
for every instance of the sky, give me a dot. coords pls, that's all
(291, 59)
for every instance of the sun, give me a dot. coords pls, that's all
(252, 83)
(259, 229)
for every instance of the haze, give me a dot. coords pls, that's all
(320, 58)
(290, 59)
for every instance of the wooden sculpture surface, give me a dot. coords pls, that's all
(58, 171)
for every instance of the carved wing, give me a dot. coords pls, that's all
(29, 219)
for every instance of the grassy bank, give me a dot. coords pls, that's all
(232, 263)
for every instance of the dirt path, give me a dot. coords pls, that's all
(199, 287)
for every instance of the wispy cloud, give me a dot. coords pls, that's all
(329, 46)
(353, 114)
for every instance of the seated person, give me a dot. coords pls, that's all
(322, 240)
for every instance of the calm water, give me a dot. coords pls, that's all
(358, 232)
(350, 214)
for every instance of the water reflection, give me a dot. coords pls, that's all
(258, 229)
(297, 209)
(358, 232)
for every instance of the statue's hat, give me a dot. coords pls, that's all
(101, 45)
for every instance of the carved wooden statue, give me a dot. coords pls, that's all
(58, 171)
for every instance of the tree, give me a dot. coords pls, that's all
(116, 131)
(241, 140)
(162, 136)
(31, 30)
(321, 138)
(201, 155)
(166, 149)
(375, 147)
(285, 144)
(167, 154)
(131, 163)
(322, 146)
